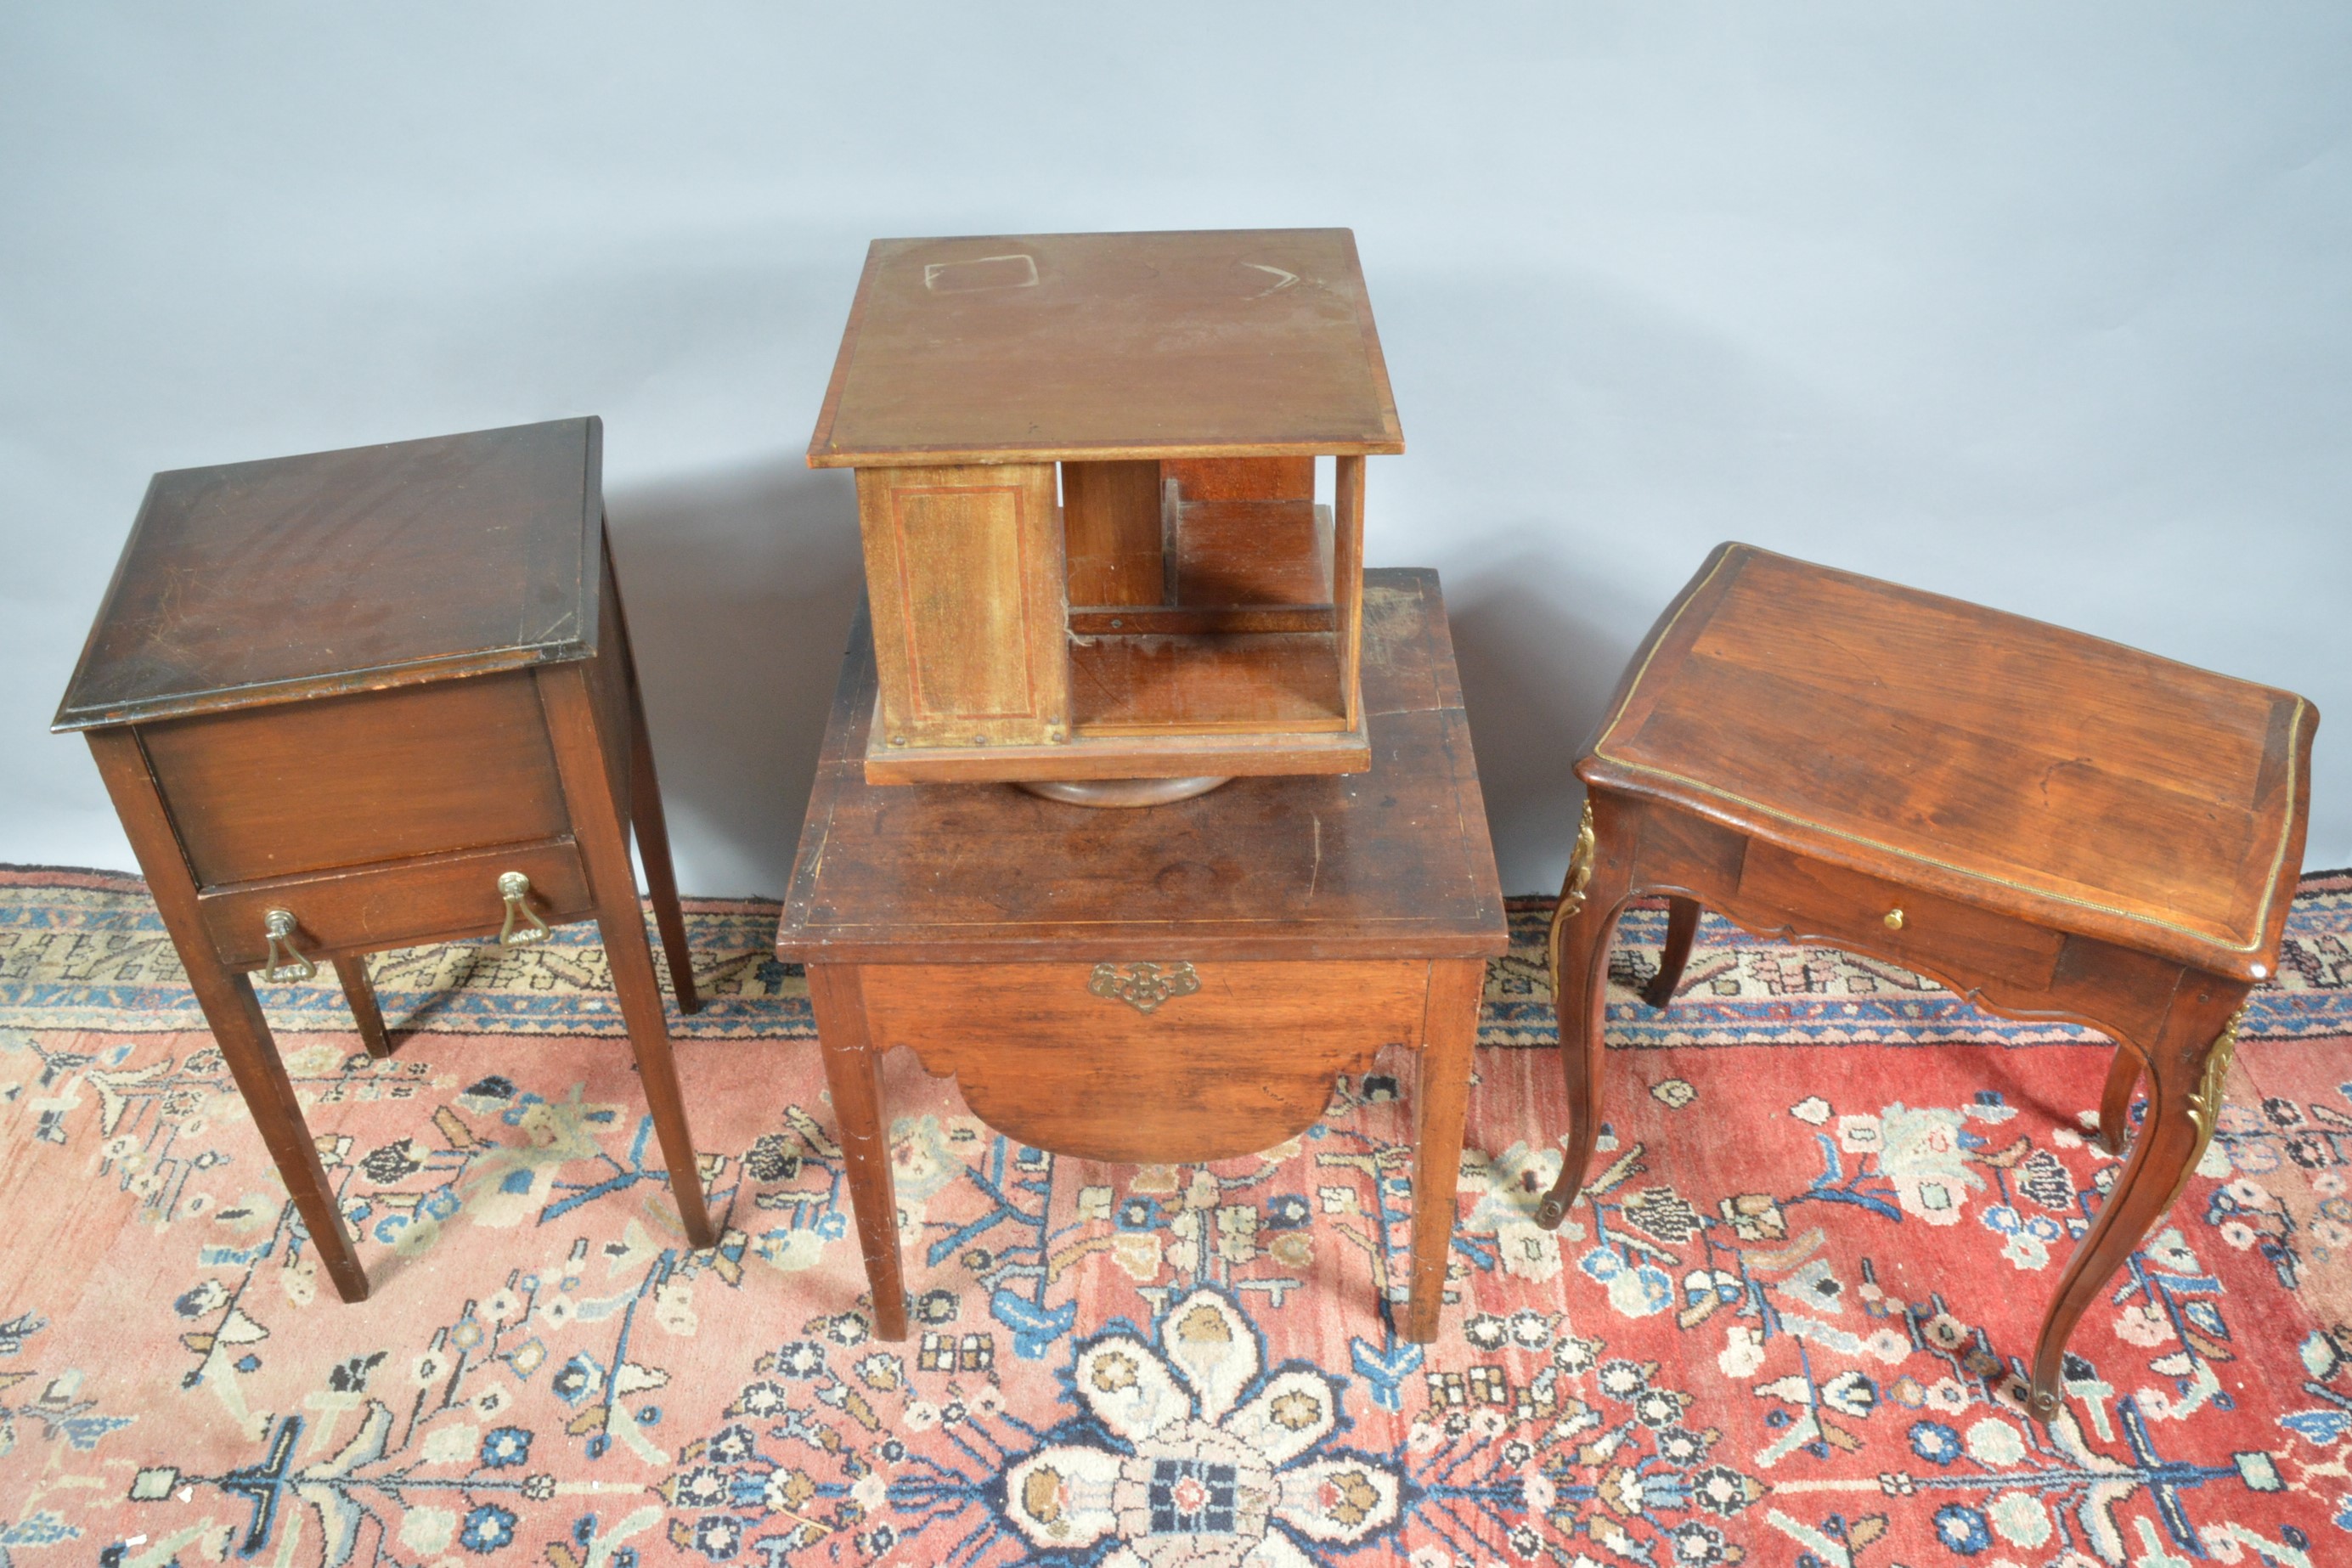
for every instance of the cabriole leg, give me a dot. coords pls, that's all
(1598, 883)
(1682, 925)
(2189, 1059)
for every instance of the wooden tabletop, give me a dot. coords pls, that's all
(373, 566)
(1038, 348)
(2028, 769)
(1392, 863)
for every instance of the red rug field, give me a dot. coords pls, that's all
(1785, 1328)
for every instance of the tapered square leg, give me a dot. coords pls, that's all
(836, 992)
(652, 827)
(230, 1008)
(360, 994)
(1440, 1099)
(613, 883)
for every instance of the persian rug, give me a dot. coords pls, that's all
(1784, 1326)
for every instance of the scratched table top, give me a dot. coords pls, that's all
(1037, 348)
(1390, 863)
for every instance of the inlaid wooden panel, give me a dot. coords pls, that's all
(346, 781)
(964, 574)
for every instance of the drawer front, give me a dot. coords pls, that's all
(1957, 941)
(439, 899)
(356, 781)
(1168, 1062)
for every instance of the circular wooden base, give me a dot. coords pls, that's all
(1122, 793)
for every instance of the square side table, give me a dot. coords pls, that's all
(374, 698)
(2052, 826)
(1175, 984)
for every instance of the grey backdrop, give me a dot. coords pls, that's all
(2047, 307)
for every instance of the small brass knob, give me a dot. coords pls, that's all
(1895, 920)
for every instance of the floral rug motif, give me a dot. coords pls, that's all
(1784, 1326)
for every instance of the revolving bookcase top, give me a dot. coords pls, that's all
(1087, 487)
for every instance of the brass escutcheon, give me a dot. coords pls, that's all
(1143, 986)
(286, 960)
(515, 888)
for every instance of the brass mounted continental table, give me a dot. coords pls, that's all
(2050, 824)
(1176, 983)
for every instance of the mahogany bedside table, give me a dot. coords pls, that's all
(374, 698)
(1179, 984)
(2052, 826)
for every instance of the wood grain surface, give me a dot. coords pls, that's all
(2002, 761)
(1395, 862)
(1026, 348)
(295, 577)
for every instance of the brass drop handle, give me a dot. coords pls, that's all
(286, 960)
(1893, 920)
(515, 888)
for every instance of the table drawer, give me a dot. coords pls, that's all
(1957, 941)
(437, 899)
(1171, 1061)
(356, 781)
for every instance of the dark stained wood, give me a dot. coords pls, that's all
(1150, 684)
(2019, 766)
(2116, 1101)
(1313, 923)
(359, 992)
(297, 577)
(1682, 928)
(1024, 349)
(1234, 1067)
(347, 781)
(398, 904)
(1242, 479)
(1114, 539)
(1393, 863)
(1441, 1094)
(492, 724)
(835, 993)
(1925, 729)
(583, 754)
(1253, 552)
(230, 1008)
(1815, 900)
